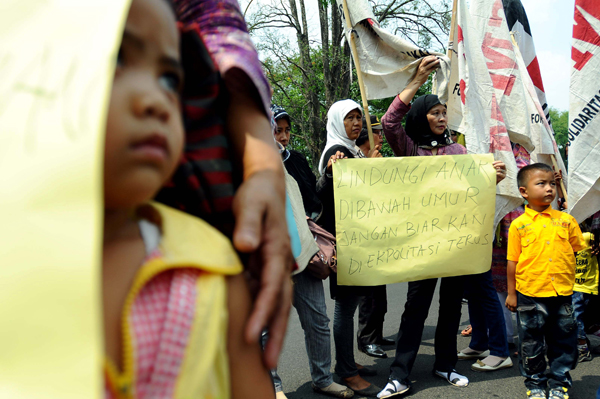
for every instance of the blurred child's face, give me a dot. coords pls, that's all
(540, 189)
(144, 132)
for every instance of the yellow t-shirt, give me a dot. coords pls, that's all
(586, 272)
(543, 245)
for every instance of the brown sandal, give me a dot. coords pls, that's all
(467, 331)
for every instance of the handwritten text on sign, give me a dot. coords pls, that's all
(407, 219)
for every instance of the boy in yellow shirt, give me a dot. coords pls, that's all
(586, 285)
(541, 274)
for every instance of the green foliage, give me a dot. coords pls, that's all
(560, 124)
(288, 94)
(289, 87)
(310, 71)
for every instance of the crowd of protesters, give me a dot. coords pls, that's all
(547, 311)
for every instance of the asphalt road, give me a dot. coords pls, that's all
(294, 371)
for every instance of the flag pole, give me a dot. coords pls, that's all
(552, 156)
(452, 33)
(361, 84)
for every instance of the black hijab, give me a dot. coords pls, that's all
(417, 126)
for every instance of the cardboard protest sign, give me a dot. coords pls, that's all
(57, 62)
(584, 107)
(413, 218)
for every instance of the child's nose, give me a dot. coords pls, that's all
(151, 103)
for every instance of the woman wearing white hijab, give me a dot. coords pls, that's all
(344, 123)
(338, 134)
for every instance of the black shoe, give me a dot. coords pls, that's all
(371, 391)
(386, 342)
(373, 351)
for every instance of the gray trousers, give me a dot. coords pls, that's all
(309, 301)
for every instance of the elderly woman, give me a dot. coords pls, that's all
(426, 134)
(344, 123)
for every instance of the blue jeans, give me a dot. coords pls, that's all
(343, 334)
(580, 302)
(548, 319)
(309, 301)
(485, 314)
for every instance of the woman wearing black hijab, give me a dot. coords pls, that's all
(426, 134)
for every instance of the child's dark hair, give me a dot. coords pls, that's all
(585, 227)
(362, 138)
(523, 175)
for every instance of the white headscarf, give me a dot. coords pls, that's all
(336, 131)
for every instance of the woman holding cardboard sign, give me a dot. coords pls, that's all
(344, 124)
(426, 134)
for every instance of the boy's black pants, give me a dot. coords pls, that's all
(548, 320)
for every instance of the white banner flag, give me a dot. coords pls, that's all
(490, 30)
(483, 121)
(519, 25)
(584, 122)
(540, 130)
(387, 62)
(541, 133)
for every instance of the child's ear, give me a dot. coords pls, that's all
(523, 191)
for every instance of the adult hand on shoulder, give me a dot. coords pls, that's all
(374, 153)
(500, 170)
(333, 158)
(259, 208)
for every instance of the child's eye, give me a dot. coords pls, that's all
(171, 81)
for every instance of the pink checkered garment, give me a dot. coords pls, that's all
(160, 321)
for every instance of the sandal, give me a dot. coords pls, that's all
(468, 353)
(467, 331)
(335, 390)
(453, 378)
(394, 388)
